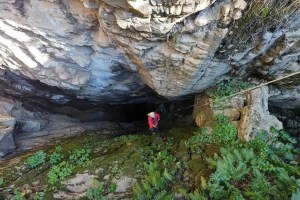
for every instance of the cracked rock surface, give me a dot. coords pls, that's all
(112, 51)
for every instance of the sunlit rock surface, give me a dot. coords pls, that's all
(249, 112)
(108, 50)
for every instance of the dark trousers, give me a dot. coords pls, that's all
(154, 130)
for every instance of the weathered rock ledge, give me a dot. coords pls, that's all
(249, 112)
(108, 51)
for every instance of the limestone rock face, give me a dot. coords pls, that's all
(21, 129)
(7, 124)
(249, 112)
(106, 51)
(255, 116)
(61, 44)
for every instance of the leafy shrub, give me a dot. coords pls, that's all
(39, 196)
(254, 170)
(36, 159)
(17, 196)
(196, 195)
(59, 172)
(56, 157)
(112, 187)
(228, 87)
(96, 193)
(160, 168)
(153, 183)
(224, 134)
(80, 157)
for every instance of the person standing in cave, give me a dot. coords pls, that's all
(153, 119)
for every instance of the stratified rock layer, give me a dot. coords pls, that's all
(106, 51)
(7, 124)
(249, 112)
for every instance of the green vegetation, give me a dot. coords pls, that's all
(212, 163)
(255, 169)
(39, 196)
(59, 172)
(224, 133)
(126, 138)
(96, 193)
(228, 87)
(225, 90)
(80, 157)
(57, 156)
(1, 181)
(262, 16)
(36, 159)
(17, 196)
(154, 184)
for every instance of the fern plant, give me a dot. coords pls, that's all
(254, 170)
(160, 173)
(152, 184)
(260, 187)
(196, 195)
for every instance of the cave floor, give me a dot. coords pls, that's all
(111, 160)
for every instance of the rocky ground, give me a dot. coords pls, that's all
(190, 165)
(112, 161)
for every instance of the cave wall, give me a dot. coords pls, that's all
(112, 51)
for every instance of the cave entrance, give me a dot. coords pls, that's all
(137, 112)
(87, 111)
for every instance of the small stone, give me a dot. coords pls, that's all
(106, 177)
(240, 4)
(237, 14)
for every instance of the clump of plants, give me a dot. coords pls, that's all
(39, 196)
(98, 191)
(61, 169)
(36, 159)
(227, 88)
(224, 133)
(197, 194)
(262, 16)
(160, 169)
(255, 169)
(80, 157)
(126, 138)
(57, 156)
(59, 172)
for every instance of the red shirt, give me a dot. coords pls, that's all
(153, 122)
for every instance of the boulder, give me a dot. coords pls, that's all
(7, 124)
(255, 116)
(249, 112)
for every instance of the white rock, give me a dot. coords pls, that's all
(237, 14)
(141, 6)
(240, 4)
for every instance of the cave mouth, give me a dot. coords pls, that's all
(36, 96)
(87, 111)
(136, 112)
